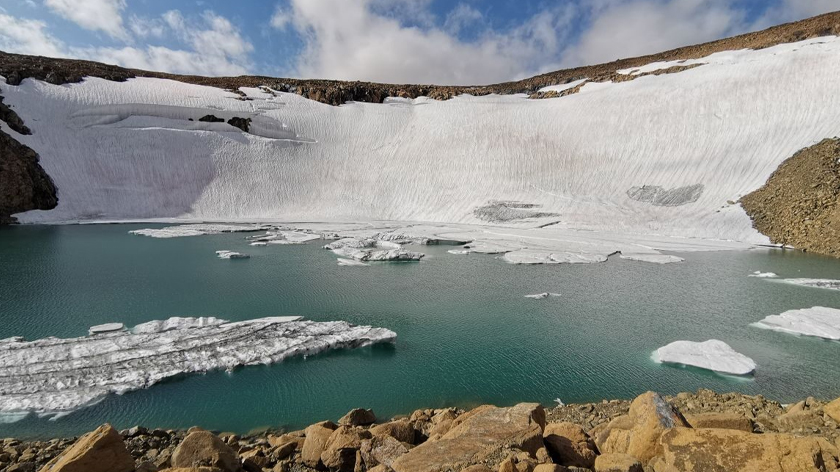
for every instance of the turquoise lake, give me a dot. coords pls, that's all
(466, 333)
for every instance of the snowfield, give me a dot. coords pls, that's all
(55, 376)
(633, 167)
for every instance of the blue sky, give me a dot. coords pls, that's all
(416, 41)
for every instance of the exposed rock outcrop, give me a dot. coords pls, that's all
(798, 205)
(101, 450)
(24, 185)
(204, 449)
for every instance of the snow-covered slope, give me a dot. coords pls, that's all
(657, 155)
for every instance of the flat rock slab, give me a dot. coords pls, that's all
(476, 436)
(738, 451)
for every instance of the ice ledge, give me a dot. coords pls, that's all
(53, 376)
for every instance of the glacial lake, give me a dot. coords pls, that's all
(466, 333)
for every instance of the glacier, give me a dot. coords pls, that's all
(818, 321)
(53, 376)
(714, 355)
(636, 167)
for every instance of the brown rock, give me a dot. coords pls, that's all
(638, 433)
(478, 435)
(550, 468)
(193, 469)
(203, 448)
(617, 463)
(478, 468)
(102, 450)
(720, 421)
(401, 430)
(382, 450)
(315, 443)
(341, 447)
(569, 445)
(737, 451)
(358, 417)
(833, 410)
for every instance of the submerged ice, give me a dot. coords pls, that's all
(711, 355)
(55, 376)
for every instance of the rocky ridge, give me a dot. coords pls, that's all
(703, 431)
(798, 205)
(15, 68)
(24, 185)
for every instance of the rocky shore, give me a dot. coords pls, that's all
(702, 431)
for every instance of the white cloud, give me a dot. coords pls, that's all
(281, 19)
(215, 46)
(364, 42)
(622, 29)
(461, 16)
(24, 36)
(94, 15)
(143, 27)
(792, 10)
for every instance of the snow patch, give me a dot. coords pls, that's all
(711, 355)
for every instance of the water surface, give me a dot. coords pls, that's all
(467, 334)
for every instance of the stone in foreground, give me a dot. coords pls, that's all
(638, 432)
(711, 355)
(477, 436)
(203, 448)
(101, 450)
(722, 450)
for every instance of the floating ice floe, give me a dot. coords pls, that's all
(532, 256)
(653, 258)
(370, 249)
(459, 251)
(53, 376)
(351, 262)
(225, 254)
(540, 296)
(819, 321)
(814, 283)
(711, 355)
(285, 237)
(763, 275)
(106, 328)
(195, 230)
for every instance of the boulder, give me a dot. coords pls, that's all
(617, 463)
(638, 432)
(315, 443)
(101, 450)
(569, 445)
(477, 436)
(720, 421)
(833, 410)
(193, 469)
(550, 468)
(358, 417)
(341, 448)
(382, 450)
(738, 451)
(203, 448)
(401, 430)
